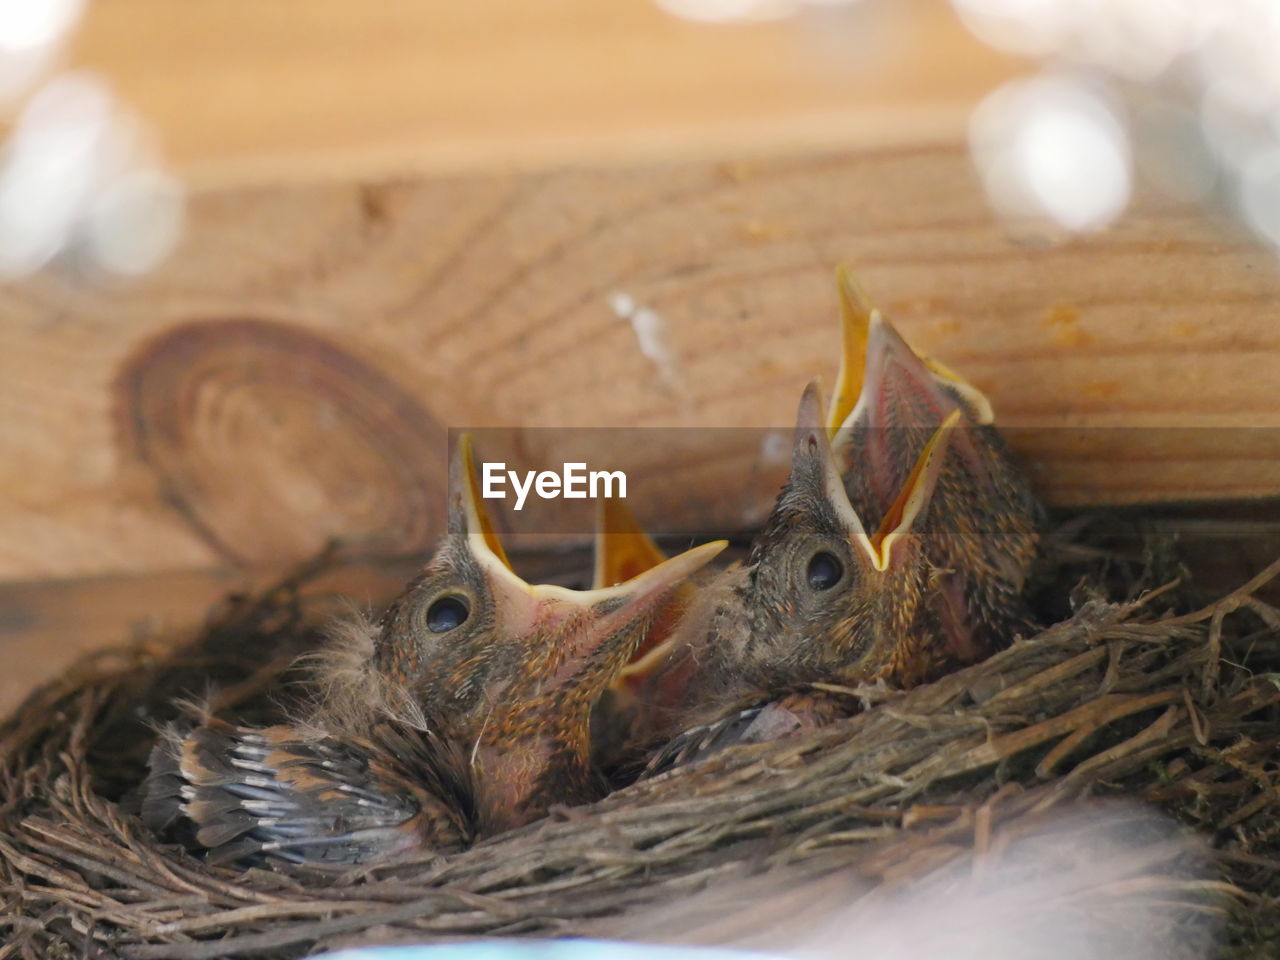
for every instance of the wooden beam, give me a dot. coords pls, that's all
(253, 90)
(290, 374)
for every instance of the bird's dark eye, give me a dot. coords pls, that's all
(825, 571)
(446, 613)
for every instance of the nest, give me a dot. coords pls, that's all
(1139, 690)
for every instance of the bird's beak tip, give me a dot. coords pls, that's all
(858, 318)
(666, 575)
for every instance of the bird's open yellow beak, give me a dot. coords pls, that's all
(908, 506)
(623, 549)
(856, 315)
(479, 524)
(913, 499)
(615, 604)
(879, 369)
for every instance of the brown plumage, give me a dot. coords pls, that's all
(820, 600)
(982, 532)
(465, 712)
(947, 588)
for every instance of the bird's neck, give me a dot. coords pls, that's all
(517, 780)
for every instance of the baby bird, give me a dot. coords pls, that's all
(463, 713)
(959, 587)
(820, 600)
(982, 533)
(624, 550)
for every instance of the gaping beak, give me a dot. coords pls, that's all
(624, 551)
(912, 502)
(477, 523)
(901, 388)
(609, 624)
(883, 382)
(856, 315)
(813, 458)
(607, 611)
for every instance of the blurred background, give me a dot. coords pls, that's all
(259, 256)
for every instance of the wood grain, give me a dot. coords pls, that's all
(289, 374)
(249, 91)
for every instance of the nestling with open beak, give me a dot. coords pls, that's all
(464, 712)
(624, 550)
(982, 531)
(820, 600)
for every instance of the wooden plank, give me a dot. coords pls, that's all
(290, 373)
(254, 90)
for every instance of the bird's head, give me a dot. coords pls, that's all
(507, 669)
(826, 595)
(986, 519)
(883, 381)
(888, 401)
